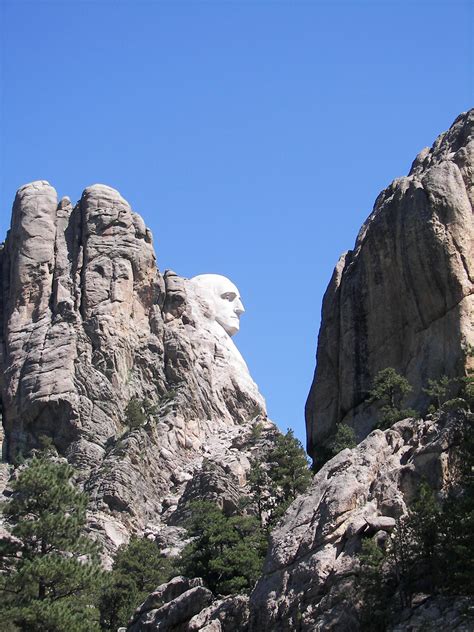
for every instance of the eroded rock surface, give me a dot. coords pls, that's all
(88, 324)
(455, 614)
(184, 605)
(403, 298)
(308, 578)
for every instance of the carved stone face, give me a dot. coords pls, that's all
(223, 298)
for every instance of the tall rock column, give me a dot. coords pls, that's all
(89, 326)
(403, 298)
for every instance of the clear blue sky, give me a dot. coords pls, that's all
(253, 137)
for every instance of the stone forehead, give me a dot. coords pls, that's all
(214, 282)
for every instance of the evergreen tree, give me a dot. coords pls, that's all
(344, 437)
(227, 552)
(260, 490)
(456, 524)
(52, 569)
(438, 390)
(375, 587)
(414, 548)
(137, 570)
(388, 389)
(288, 469)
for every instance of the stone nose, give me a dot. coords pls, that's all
(239, 308)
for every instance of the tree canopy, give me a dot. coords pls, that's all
(52, 568)
(138, 569)
(227, 552)
(389, 388)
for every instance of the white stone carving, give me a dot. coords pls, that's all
(223, 298)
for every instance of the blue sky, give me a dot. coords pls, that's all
(253, 137)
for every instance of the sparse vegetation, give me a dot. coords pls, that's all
(138, 412)
(439, 390)
(431, 549)
(256, 432)
(388, 390)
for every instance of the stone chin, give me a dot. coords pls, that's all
(223, 298)
(229, 327)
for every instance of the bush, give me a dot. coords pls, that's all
(138, 411)
(458, 403)
(390, 416)
(256, 431)
(135, 413)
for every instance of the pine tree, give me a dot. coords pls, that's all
(344, 437)
(52, 569)
(456, 524)
(227, 552)
(438, 390)
(414, 548)
(288, 469)
(375, 587)
(138, 569)
(388, 389)
(260, 483)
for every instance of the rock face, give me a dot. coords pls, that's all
(308, 578)
(184, 605)
(403, 298)
(439, 613)
(171, 606)
(87, 325)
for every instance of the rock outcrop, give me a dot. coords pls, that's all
(88, 325)
(403, 298)
(308, 581)
(184, 605)
(171, 606)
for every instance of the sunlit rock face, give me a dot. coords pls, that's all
(88, 322)
(403, 298)
(309, 580)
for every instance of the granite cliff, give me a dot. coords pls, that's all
(403, 297)
(92, 332)
(89, 326)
